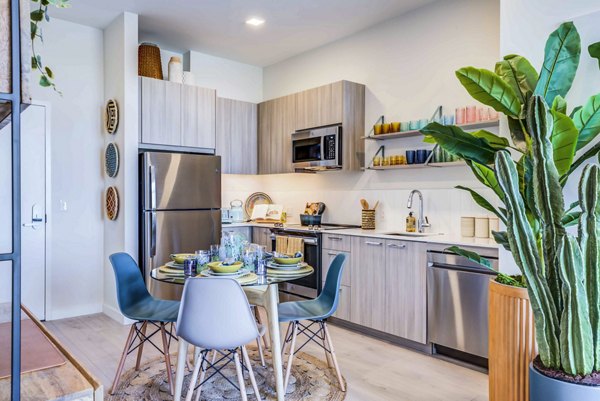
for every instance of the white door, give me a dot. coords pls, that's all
(33, 208)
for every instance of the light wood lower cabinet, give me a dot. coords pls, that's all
(262, 236)
(405, 290)
(237, 136)
(368, 282)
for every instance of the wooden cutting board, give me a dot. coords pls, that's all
(37, 352)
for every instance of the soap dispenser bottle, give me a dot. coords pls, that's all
(411, 223)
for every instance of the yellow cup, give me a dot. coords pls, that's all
(377, 128)
(395, 127)
(386, 128)
(377, 161)
(386, 161)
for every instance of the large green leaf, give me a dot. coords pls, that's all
(472, 256)
(559, 104)
(460, 143)
(518, 72)
(587, 121)
(481, 201)
(487, 177)
(517, 133)
(495, 141)
(488, 88)
(564, 141)
(594, 50)
(560, 63)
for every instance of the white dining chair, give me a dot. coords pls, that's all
(215, 317)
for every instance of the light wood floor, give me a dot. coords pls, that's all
(374, 370)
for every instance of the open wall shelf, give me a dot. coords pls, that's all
(459, 163)
(408, 134)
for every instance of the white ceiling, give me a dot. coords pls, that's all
(218, 27)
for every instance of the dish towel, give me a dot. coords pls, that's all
(281, 244)
(295, 244)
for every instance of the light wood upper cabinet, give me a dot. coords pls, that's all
(406, 290)
(160, 109)
(276, 120)
(198, 117)
(262, 236)
(368, 282)
(237, 136)
(173, 114)
(319, 106)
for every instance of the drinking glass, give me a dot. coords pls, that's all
(261, 260)
(202, 258)
(214, 252)
(460, 116)
(189, 267)
(471, 114)
(249, 258)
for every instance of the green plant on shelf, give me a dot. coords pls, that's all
(548, 143)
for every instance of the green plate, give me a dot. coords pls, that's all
(218, 267)
(287, 261)
(180, 257)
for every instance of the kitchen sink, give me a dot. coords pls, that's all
(407, 234)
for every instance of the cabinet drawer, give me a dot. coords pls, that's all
(337, 242)
(327, 258)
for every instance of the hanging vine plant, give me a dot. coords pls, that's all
(37, 17)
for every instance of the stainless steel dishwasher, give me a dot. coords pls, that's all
(457, 306)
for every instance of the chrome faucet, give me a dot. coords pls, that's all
(422, 221)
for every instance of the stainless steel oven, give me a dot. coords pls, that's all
(308, 287)
(317, 149)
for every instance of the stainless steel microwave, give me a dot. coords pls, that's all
(317, 149)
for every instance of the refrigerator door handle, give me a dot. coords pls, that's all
(152, 177)
(152, 234)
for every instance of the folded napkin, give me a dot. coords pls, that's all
(294, 245)
(281, 244)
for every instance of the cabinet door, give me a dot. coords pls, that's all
(319, 106)
(405, 290)
(160, 122)
(236, 136)
(368, 282)
(198, 116)
(262, 236)
(327, 257)
(275, 128)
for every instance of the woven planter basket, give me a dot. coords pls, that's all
(149, 64)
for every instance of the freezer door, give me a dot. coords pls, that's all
(179, 181)
(185, 231)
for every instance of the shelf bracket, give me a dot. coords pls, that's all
(380, 150)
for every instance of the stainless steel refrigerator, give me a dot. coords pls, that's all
(180, 197)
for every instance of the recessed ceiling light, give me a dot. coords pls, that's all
(255, 21)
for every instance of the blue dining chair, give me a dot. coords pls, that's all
(136, 303)
(316, 311)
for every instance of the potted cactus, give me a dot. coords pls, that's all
(528, 175)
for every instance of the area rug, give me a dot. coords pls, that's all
(310, 380)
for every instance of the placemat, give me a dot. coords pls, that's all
(37, 352)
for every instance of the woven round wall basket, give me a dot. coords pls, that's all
(149, 63)
(111, 160)
(111, 203)
(111, 116)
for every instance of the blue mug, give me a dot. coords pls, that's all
(421, 156)
(410, 157)
(448, 119)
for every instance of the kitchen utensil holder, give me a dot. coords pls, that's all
(368, 219)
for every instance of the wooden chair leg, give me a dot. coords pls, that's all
(203, 368)
(197, 366)
(251, 373)
(260, 352)
(240, 375)
(333, 357)
(141, 347)
(167, 355)
(288, 368)
(122, 360)
(327, 356)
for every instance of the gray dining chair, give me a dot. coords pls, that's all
(315, 311)
(215, 317)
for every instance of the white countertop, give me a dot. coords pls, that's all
(445, 239)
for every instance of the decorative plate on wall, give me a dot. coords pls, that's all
(257, 198)
(111, 160)
(112, 116)
(111, 206)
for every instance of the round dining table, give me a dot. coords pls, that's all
(262, 290)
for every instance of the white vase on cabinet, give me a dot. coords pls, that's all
(175, 70)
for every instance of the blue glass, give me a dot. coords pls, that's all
(410, 157)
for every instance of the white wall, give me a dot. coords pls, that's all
(524, 29)
(121, 84)
(408, 66)
(75, 53)
(230, 78)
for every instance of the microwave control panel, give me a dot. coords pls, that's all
(330, 147)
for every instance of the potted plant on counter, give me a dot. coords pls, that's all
(562, 271)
